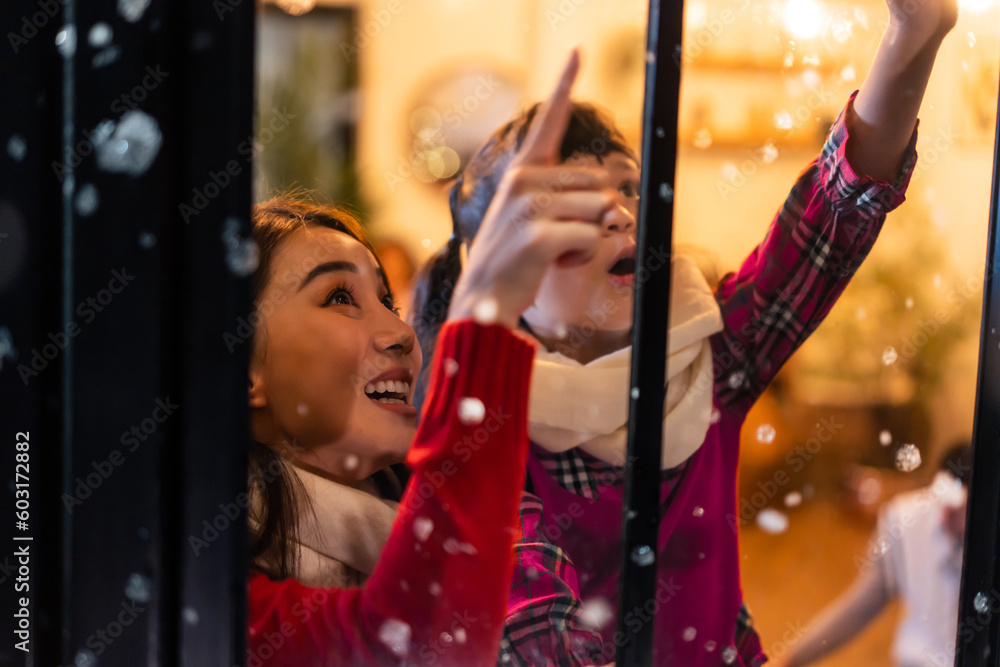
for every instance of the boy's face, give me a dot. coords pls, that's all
(594, 299)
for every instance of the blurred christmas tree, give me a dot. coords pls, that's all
(888, 338)
(303, 72)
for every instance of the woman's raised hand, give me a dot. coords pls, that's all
(924, 19)
(543, 214)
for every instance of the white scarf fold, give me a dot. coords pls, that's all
(586, 406)
(341, 532)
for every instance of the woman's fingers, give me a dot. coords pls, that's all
(581, 205)
(532, 178)
(545, 135)
(567, 243)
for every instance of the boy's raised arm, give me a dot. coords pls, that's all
(885, 110)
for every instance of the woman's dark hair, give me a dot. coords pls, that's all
(589, 132)
(958, 461)
(276, 493)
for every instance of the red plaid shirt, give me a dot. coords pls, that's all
(571, 512)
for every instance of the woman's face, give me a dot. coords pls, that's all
(582, 307)
(333, 366)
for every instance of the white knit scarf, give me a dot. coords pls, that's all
(341, 532)
(586, 405)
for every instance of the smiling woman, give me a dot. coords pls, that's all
(331, 412)
(335, 322)
(330, 316)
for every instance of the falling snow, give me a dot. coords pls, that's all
(396, 635)
(87, 200)
(242, 254)
(702, 138)
(485, 312)
(471, 411)
(17, 147)
(132, 10)
(736, 379)
(908, 458)
(596, 612)
(422, 528)
(99, 35)
(128, 146)
(66, 41)
(138, 588)
(772, 521)
(643, 556)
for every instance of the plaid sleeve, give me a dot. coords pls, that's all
(747, 639)
(545, 624)
(784, 289)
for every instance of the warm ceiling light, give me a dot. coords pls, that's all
(976, 5)
(803, 18)
(695, 14)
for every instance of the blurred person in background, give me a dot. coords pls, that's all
(915, 556)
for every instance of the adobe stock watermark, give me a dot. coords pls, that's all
(562, 13)
(103, 637)
(225, 7)
(31, 24)
(463, 450)
(217, 181)
(213, 527)
(245, 327)
(637, 617)
(131, 439)
(739, 174)
(792, 634)
(595, 318)
(372, 28)
(824, 431)
(968, 628)
(928, 499)
(88, 310)
(709, 33)
(263, 647)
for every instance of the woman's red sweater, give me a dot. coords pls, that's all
(438, 595)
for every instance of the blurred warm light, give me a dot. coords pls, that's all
(443, 162)
(695, 14)
(976, 5)
(425, 118)
(296, 7)
(803, 18)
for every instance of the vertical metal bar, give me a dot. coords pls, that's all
(979, 602)
(113, 308)
(68, 131)
(641, 520)
(214, 249)
(30, 307)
